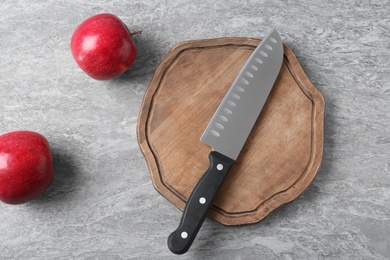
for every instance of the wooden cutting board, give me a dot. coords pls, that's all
(281, 156)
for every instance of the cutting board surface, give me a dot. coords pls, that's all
(281, 156)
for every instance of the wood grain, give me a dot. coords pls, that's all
(281, 156)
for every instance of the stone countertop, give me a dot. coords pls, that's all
(102, 203)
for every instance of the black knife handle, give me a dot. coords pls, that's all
(199, 203)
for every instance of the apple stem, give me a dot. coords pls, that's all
(138, 32)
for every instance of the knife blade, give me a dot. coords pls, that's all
(227, 132)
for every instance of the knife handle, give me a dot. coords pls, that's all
(199, 203)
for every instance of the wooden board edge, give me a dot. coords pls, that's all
(277, 200)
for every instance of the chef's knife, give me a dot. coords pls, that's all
(227, 132)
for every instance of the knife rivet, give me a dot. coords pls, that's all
(202, 200)
(219, 167)
(184, 235)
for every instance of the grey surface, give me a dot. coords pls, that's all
(102, 204)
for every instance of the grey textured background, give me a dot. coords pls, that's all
(102, 204)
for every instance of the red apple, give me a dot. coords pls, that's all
(103, 47)
(26, 168)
